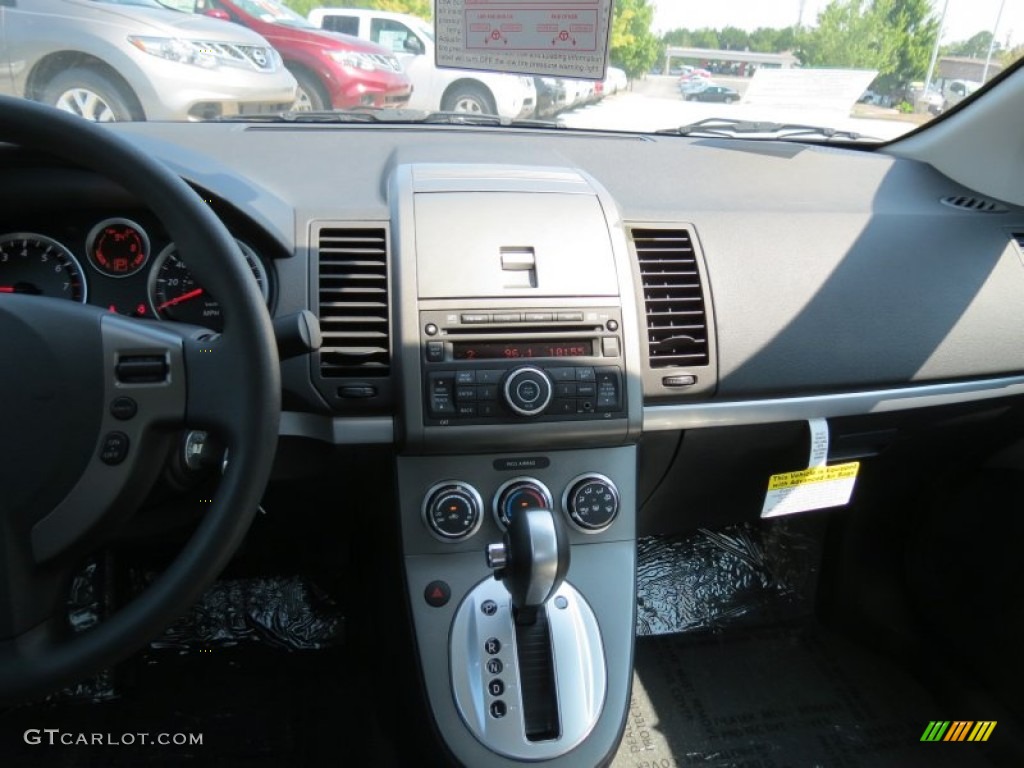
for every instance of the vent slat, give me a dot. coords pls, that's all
(353, 302)
(673, 298)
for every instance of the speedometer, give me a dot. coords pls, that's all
(36, 264)
(174, 293)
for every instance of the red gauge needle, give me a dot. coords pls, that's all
(179, 299)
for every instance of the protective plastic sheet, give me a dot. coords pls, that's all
(753, 572)
(287, 612)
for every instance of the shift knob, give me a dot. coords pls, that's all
(533, 558)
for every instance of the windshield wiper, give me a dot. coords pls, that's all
(390, 116)
(731, 127)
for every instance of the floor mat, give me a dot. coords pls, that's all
(786, 696)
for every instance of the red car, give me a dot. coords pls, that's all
(334, 71)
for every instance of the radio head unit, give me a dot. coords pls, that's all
(543, 364)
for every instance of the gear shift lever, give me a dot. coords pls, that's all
(532, 560)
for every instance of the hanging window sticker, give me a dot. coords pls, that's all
(561, 38)
(820, 486)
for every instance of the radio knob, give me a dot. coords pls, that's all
(528, 391)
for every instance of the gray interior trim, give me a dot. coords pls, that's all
(364, 430)
(722, 414)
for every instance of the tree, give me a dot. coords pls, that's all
(633, 46)
(421, 8)
(895, 37)
(974, 47)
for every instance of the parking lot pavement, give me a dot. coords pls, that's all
(654, 103)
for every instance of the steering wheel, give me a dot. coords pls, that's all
(90, 401)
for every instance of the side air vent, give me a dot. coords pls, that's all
(974, 203)
(677, 329)
(354, 302)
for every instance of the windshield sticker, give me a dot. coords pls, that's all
(564, 38)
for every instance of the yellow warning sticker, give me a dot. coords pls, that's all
(813, 475)
(812, 488)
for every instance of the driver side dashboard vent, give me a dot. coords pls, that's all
(674, 304)
(353, 300)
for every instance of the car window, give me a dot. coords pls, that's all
(390, 34)
(348, 25)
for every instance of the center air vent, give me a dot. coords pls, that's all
(354, 302)
(677, 332)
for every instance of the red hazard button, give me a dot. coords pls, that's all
(437, 593)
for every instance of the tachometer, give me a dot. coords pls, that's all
(174, 293)
(36, 264)
(117, 247)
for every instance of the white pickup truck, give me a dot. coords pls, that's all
(412, 40)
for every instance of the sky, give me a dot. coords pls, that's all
(963, 17)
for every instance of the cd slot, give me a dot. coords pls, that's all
(526, 330)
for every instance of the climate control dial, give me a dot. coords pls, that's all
(452, 510)
(527, 391)
(519, 494)
(592, 502)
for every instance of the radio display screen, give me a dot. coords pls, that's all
(516, 350)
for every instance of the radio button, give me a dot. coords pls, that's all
(487, 392)
(562, 374)
(584, 389)
(435, 351)
(539, 317)
(563, 407)
(610, 346)
(507, 317)
(466, 410)
(487, 410)
(609, 390)
(572, 317)
(489, 377)
(465, 377)
(475, 318)
(465, 393)
(563, 389)
(585, 374)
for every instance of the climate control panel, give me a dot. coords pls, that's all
(452, 510)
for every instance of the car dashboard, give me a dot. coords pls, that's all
(544, 315)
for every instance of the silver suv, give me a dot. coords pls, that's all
(137, 60)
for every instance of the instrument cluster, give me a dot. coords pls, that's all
(125, 263)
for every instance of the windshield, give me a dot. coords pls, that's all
(860, 70)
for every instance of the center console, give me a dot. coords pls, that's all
(519, 365)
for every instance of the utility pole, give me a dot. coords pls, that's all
(935, 50)
(992, 44)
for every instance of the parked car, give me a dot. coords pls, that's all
(615, 80)
(411, 39)
(108, 61)
(333, 70)
(713, 93)
(550, 96)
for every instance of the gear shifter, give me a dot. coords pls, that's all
(532, 560)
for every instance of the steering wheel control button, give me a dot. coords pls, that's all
(498, 709)
(492, 646)
(123, 408)
(437, 593)
(494, 666)
(141, 369)
(489, 607)
(114, 448)
(528, 391)
(516, 495)
(592, 502)
(496, 687)
(452, 510)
